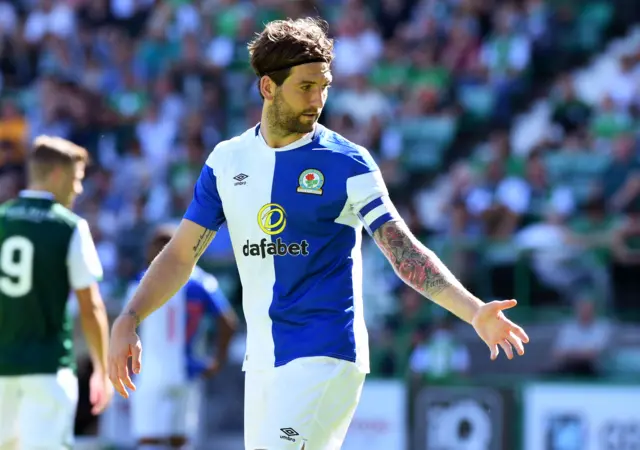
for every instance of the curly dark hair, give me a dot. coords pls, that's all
(284, 44)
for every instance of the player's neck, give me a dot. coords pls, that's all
(274, 137)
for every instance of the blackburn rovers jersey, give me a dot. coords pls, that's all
(295, 216)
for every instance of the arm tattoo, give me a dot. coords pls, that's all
(132, 313)
(203, 242)
(417, 266)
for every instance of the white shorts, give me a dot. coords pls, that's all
(309, 401)
(161, 412)
(38, 411)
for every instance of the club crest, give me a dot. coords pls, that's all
(311, 182)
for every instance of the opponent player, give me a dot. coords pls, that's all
(295, 196)
(166, 407)
(45, 252)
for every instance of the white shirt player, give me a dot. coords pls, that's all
(177, 331)
(167, 402)
(295, 216)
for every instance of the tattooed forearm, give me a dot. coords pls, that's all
(417, 266)
(421, 269)
(203, 242)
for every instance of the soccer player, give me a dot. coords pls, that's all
(166, 407)
(295, 196)
(46, 251)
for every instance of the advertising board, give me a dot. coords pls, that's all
(581, 417)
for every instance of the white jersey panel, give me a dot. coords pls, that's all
(244, 175)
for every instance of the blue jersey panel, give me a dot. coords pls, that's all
(313, 298)
(206, 207)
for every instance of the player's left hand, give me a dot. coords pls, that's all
(100, 392)
(497, 331)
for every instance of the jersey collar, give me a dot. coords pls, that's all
(28, 193)
(304, 140)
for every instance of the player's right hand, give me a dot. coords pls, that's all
(125, 343)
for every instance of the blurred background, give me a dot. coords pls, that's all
(507, 132)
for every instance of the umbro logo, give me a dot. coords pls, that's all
(288, 434)
(240, 179)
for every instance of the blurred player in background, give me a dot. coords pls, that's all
(296, 196)
(46, 251)
(165, 410)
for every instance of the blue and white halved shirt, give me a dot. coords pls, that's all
(295, 216)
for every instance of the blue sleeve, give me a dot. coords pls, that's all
(206, 207)
(207, 291)
(362, 161)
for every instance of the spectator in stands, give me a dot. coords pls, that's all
(609, 122)
(499, 147)
(49, 18)
(623, 84)
(497, 202)
(570, 112)
(553, 262)
(506, 55)
(621, 180)
(594, 231)
(461, 54)
(626, 248)
(537, 192)
(581, 341)
(362, 103)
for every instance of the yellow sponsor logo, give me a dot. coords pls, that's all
(272, 219)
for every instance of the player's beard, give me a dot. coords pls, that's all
(284, 121)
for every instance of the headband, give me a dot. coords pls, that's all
(290, 66)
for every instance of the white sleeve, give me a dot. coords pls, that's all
(82, 258)
(369, 200)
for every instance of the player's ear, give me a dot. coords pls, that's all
(267, 88)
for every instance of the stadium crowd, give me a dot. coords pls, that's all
(149, 87)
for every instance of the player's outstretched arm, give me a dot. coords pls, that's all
(421, 269)
(168, 272)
